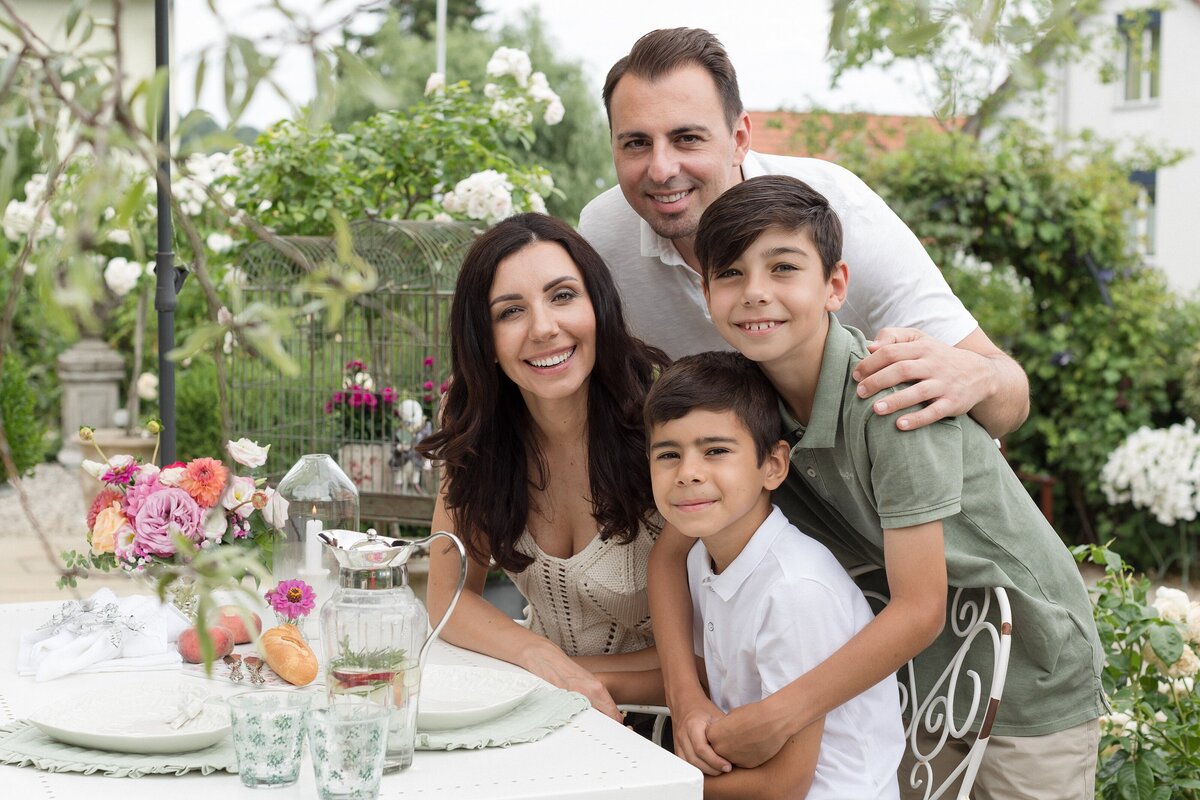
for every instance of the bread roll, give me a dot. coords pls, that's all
(289, 655)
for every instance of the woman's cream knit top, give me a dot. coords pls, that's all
(593, 603)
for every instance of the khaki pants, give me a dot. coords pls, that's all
(1057, 766)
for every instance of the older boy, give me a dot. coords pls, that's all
(935, 507)
(769, 603)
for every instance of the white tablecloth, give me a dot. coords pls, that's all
(591, 758)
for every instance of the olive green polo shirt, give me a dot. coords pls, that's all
(854, 474)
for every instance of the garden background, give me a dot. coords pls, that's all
(1038, 234)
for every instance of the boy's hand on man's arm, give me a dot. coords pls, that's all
(671, 612)
(974, 377)
(916, 572)
(789, 774)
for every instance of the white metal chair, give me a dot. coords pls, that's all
(934, 714)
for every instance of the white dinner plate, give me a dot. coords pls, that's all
(455, 697)
(135, 721)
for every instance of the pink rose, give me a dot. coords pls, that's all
(164, 514)
(104, 532)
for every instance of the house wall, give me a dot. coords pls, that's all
(1173, 119)
(47, 19)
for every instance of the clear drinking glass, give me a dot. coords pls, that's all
(268, 735)
(320, 497)
(348, 741)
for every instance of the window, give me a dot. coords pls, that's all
(1143, 224)
(1142, 35)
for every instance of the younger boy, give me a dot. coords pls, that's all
(768, 602)
(937, 507)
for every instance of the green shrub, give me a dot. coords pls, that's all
(197, 412)
(18, 408)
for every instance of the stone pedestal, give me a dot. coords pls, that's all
(90, 373)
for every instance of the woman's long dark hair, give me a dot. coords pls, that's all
(485, 443)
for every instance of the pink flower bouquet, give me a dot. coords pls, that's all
(145, 514)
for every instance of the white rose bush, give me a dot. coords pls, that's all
(1150, 740)
(1158, 470)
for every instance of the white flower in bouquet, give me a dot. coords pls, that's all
(1192, 621)
(1171, 604)
(1158, 470)
(1177, 688)
(115, 464)
(537, 204)
(248, 453)
(170, 476)
(275, 512)
(147, 386)
(512, 110)
(436, 82)
(555, 111)
(238, 496)
(510, 61)
(121, 275)
(214, 525)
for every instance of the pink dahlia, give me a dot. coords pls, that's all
(163, 514)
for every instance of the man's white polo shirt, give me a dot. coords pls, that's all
(783, 606)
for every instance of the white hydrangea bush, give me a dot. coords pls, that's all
(1157, 470)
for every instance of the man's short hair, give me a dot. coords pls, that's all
(742, 213)
(663, 51)
(717, 381)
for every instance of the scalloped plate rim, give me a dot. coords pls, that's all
(442, 718)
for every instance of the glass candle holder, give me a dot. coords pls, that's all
(320, 497)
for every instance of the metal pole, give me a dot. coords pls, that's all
(441, 36)
(166, 289)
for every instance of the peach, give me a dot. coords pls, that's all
(189, 644)
(228, 617)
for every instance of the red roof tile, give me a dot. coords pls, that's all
(818, 134)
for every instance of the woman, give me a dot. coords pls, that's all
(545, 469)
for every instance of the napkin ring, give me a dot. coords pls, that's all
(235, 667)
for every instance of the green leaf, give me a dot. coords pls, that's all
(73, 12)
(1167, 643)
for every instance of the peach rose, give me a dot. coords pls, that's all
(104, 533)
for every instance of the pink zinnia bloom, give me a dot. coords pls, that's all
(427, 398)
(328, 406)
(339, 398)
(428, 386)
(121, 476)
(163, 514)
(204, 480)
(357, 397)
(137, 495)
(292, 599)
(389, 395)
(428, 361)
(354, 366)
(370, 400)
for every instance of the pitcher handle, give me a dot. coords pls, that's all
(462, 580)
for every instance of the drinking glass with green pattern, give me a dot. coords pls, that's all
(348, 740)
(268, 735)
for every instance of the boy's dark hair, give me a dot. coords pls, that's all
(739, 216)
(663, 51)
(717, 381)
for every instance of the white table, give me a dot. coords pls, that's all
(590, 758)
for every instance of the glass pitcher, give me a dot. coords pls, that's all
(375, 632)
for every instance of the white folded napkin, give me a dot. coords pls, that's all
(103, 634)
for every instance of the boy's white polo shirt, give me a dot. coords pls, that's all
(782, 607)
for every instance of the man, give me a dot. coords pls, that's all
(680, 138)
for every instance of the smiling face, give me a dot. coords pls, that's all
(543, 324)
(770, 304)
(707, 480)
(673, 149)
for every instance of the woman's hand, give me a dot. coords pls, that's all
(564, 673)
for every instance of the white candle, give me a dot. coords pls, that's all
(312, 547)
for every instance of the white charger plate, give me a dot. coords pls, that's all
(132, 722)
(455, 697)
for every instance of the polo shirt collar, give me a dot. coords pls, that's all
(821, 430)
(655, 246)
(727, 584)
